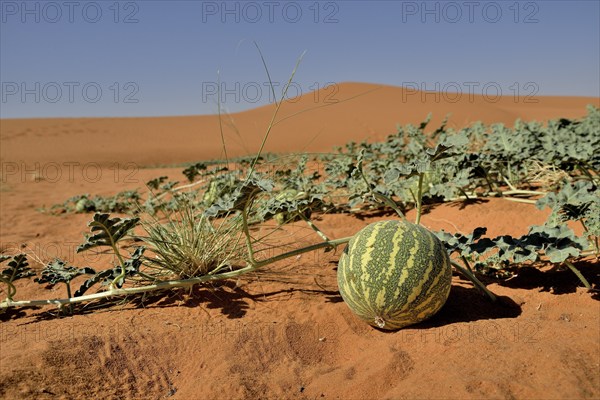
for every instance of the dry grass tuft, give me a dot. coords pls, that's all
(546, 176)
(190, 245)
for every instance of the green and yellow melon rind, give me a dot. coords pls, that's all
(394, 273)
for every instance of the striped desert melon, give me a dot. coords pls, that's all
(394, 273)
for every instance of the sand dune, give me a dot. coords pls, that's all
(313, 122)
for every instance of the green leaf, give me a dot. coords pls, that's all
(155, 183)
(194, 170)
(58, 271)
(107, 231)
(425, 122)
(106, 277)
(459, 242)
(559, 242)
(242, 195)
(579, 201)
(18, 268)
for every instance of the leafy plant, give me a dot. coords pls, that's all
(57, 271)
(558, 244)
(106, 232)
(527, 160)
(123, 202)
(115, 277)
(18, 268)
(579, 201)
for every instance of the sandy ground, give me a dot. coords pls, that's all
(262, 337)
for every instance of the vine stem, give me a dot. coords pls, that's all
(419, 199)
(595, 241)
(579, 275)
(11, 290)
(518, 200)
(462, 191)
(465, 196)
(314, 227)
(121, 261)
(184, 283)
(507, 181)
(464, 259)
(389, 202)
(384, 199)
(469, 275)
(488, 181)
(179, 188)
(523, 192)
(69, 295)
(328, 244)
(247, 235)
(583, 168)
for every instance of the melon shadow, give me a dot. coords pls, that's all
(468, 305)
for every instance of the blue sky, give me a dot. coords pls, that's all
(146, 58)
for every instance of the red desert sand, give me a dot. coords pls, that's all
(266, 338)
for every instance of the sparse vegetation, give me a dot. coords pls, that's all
(203, 233)
(200, 231)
